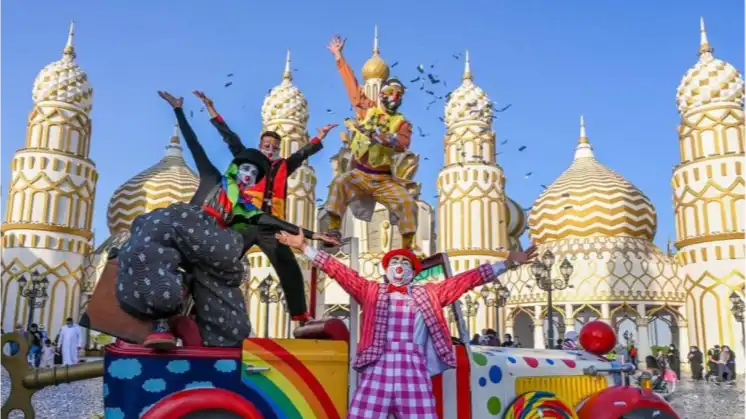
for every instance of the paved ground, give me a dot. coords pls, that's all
(80, 400)
(704, 401)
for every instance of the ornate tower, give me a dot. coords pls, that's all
(471, 186)
(708, 196)
(285, 111)
(375, 71)
(47, 226)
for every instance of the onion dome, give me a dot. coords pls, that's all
(375, 67)
(515, 218)
(468, 102)
(63, 81)
(167, 182)
(590, 200)
(710, 80)
(285, 101)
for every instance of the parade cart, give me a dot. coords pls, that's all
(310, 378)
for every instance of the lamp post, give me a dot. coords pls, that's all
(36, 293)
(738, 307)
(542, 271)
(472, 306)
(267, 296)
(501, 295)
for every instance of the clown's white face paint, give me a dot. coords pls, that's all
(400, 271)
(247, 174)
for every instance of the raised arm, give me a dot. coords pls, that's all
(354, 92)
(451, 289)
(314, 146)
(203, 163)
(231, 138)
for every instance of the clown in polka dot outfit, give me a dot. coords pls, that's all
(404, 337)
(202, 240)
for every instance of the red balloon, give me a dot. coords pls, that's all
(597, 338)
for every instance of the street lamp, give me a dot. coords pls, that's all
(267, 296)
(738, 307)
(542, 271)
(501, 295)
(471, 309)
(36, 293)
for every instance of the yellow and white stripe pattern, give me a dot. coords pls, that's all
(589, 200)
(709, 81)
(167, 182)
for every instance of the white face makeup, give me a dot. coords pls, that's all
(400, 271)
(247, 174)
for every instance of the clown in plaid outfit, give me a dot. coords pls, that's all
(378, 134)
(404, 336)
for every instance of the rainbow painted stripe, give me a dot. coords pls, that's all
(290, 388)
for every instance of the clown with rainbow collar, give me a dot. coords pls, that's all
(404, 335)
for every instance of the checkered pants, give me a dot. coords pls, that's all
(398, 383)
(382, 188)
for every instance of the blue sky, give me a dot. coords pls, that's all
(618, 63)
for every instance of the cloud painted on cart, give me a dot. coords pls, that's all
(125, 369)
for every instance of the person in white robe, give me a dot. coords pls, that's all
(70, 343)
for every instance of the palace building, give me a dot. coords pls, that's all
(590, 215)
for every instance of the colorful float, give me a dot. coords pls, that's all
(309, 378)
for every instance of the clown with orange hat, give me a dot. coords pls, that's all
(404, 337)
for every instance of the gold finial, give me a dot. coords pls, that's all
(376, 51)
(175, 137)
(704, 45)
(467, 67)
(583, 137)
(584, 149)
(287, 75)
(69, 50)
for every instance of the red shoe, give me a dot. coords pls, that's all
(160, 341)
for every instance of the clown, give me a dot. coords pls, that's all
(404, 336)
(378, 134)
(270, 195)
(200, 243)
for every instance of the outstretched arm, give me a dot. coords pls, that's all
(453, 288)
(231, 138)
(314, 146)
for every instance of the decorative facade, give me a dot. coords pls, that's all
(708, 195)
(604, 226)
(49, 214)
(167, 182)
(285, 111)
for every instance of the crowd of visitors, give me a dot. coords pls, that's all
(45, 353)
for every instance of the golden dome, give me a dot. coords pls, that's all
(64, 81)
(590, 200)
(285, 101)
(167, 182)
(710, 80)
(468, 102)
(375, 67)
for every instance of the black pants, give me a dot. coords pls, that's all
(284, 262)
